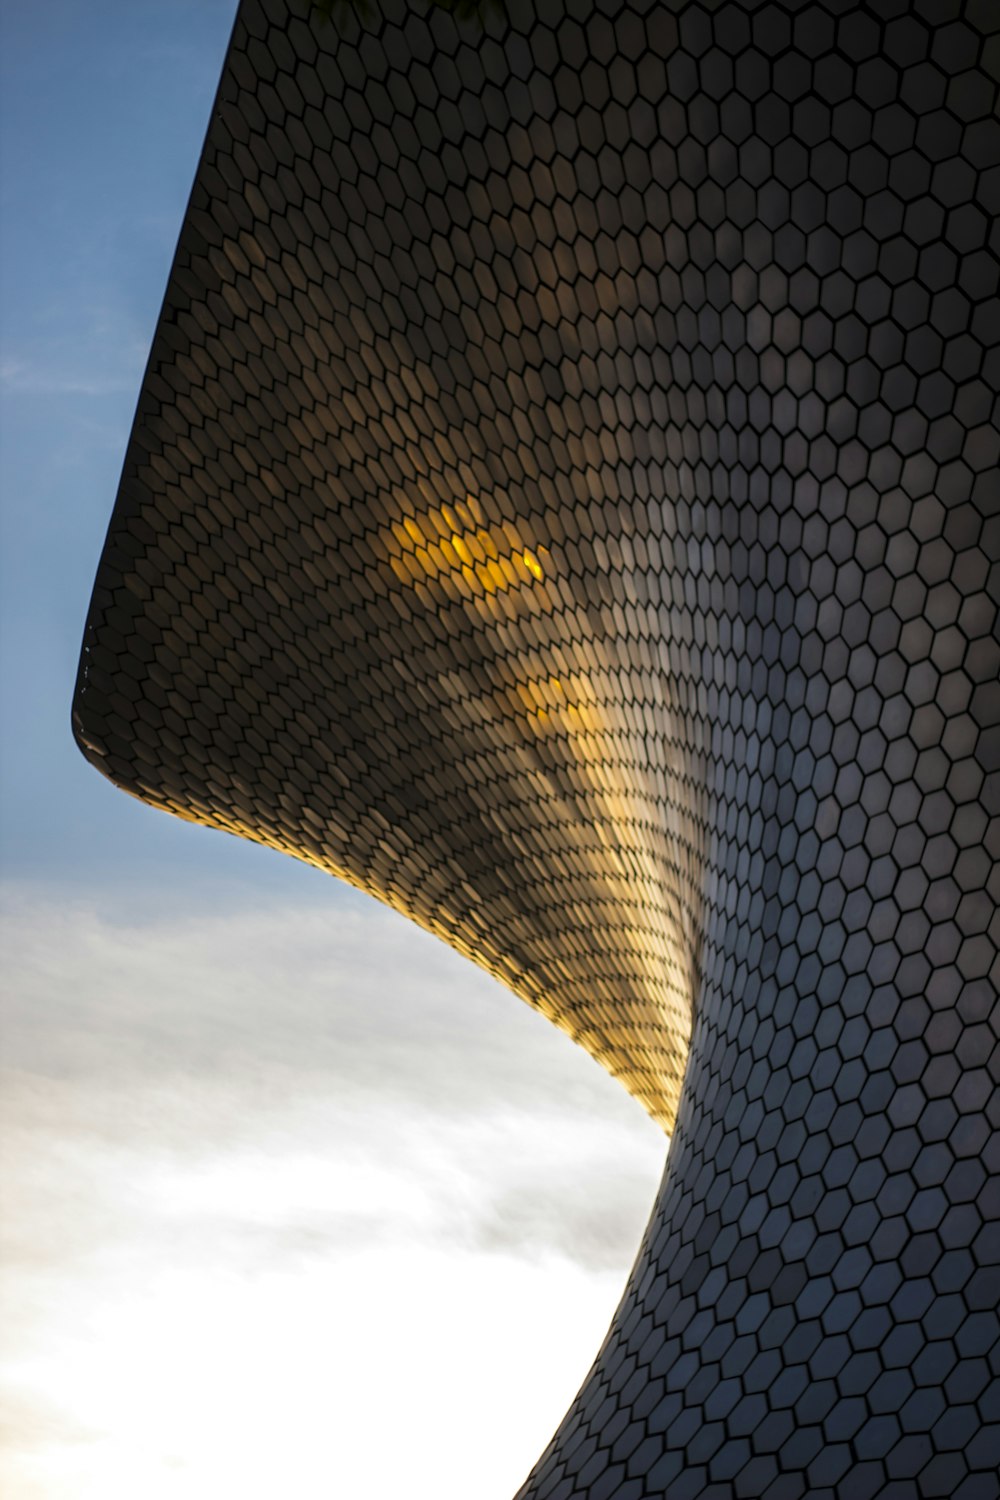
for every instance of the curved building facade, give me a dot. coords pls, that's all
(563, 502)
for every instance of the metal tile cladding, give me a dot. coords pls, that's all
(563, 502)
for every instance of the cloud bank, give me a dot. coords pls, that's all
(294, 1135)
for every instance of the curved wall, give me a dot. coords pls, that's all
(563, 502)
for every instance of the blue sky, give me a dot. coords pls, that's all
(256, 1128)
(103, 112)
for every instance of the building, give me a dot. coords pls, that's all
(562, 501)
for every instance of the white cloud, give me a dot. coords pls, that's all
(310, 1173)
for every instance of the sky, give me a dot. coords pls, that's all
(294, 1199)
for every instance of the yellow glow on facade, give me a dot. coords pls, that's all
(447, 540)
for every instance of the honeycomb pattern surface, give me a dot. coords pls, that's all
(563, 501)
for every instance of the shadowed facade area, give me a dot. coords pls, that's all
(562, 502)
